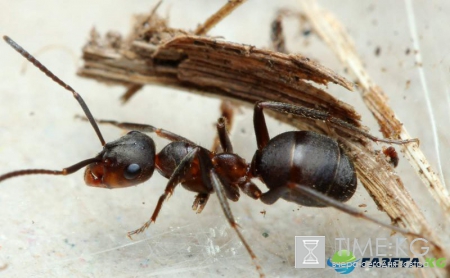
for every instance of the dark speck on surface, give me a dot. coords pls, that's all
(377, 51)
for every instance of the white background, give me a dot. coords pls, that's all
(56, 226)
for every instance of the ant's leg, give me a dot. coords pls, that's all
(218, 187)
(224, 138)
(231, 190)
(200, 202)
(175, 179)
(273, 195)
(201, 199)
(313, 194)
(211, 179)
(227, 111)
(259, 123)
(250, 189)
(321, 115)
(144, 128)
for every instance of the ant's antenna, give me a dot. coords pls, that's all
(325, 116)
(40, 66)
(64, 172)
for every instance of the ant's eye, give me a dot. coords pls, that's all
(132, 171)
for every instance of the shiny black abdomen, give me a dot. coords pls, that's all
(309, 159)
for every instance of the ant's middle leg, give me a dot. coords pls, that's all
(222, 142)
(224, 138)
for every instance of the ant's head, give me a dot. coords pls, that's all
(127, 161)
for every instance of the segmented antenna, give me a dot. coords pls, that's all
(325, 116)
(63, 172)
(47, 72)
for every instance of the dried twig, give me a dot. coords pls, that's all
(218, 16)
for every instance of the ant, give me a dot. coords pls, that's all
(303, 167)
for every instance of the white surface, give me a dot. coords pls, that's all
(56, 226)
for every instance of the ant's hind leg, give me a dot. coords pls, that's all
(271, 196)
(319, 197)
(175, 179)
(259, 123)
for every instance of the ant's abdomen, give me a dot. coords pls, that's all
(309, 159)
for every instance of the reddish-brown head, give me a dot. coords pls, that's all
(128, 161)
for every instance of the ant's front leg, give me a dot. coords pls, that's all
(145, 129)
(176, 178)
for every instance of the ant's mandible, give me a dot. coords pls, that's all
(303, 167)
